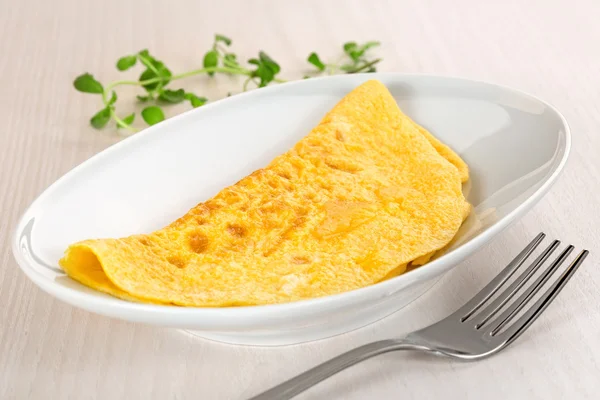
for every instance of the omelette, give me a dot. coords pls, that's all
(364, 195)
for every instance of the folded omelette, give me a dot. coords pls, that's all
(365, 194)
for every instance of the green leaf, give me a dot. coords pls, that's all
(211, 59)
(314, 59)
(163, 73)
(143, 99)
(224, 39)
(153, 115)
(129, 119)
(262, 72)
(172, 96)
(349, 46)
(266, 68)
(113, 98)
(147, 75)
(269, 62)
(230, 60)
(87, 84)
(355, 52)
(194, 100)
(148, 60)
(126, 62)
(101, 118)
(154, 69)
(372, 69)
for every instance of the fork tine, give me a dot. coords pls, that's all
(503, 298)
(535, 287)
(521, 325)
(491, 288)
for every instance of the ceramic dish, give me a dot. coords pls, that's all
(516, 146)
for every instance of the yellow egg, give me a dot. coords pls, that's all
(364, 194)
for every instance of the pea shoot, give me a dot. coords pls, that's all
(156, 79)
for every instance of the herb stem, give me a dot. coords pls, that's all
(113, 115)
(176, 77)
(120, 122)
(246, 82)
(228, 70)
(364, 66)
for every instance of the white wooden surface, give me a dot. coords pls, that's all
(545, 47)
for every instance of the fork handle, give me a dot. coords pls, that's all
(300, 383)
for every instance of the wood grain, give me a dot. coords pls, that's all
(51, 350)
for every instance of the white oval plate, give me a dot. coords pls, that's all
(515, 145)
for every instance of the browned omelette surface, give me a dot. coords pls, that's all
(365, 193)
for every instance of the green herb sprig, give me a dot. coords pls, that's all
(355, 60)
(156, 78)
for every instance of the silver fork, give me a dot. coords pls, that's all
(480, 328)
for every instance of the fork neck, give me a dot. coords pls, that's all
(294, 386)
(384, 346)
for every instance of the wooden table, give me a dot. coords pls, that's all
(52, 350)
